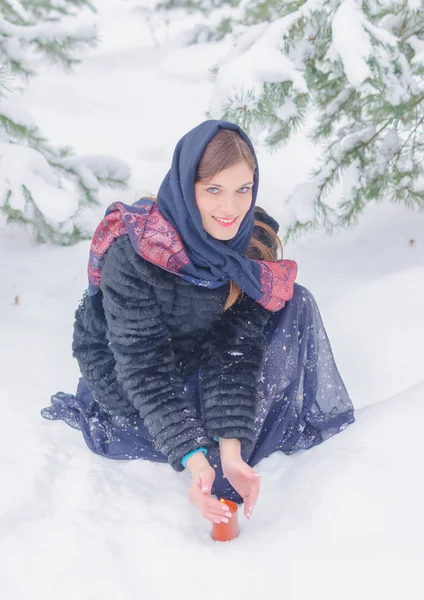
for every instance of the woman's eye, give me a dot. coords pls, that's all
(246, 188)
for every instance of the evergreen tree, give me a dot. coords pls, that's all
(216, 17)
(216, 28)
(42, 186)
(358, 66)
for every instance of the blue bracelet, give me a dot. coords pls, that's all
(187, 456)
(216, 438)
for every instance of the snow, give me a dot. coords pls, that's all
(351, 180)
(47, 32)
(343, 519)
(303, 201)
(389, 146)
(191, 64)
(287, 110)
(21, 168)
(91, 169)
(256, 59)
(351, 43)
(12, 109)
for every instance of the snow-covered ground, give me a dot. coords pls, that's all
(342, 520)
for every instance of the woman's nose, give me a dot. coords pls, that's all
(229, 205)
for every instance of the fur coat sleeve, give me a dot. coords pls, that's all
(144, 359)
(231, 359)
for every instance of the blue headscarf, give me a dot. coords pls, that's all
(170, 232)
(213, 260)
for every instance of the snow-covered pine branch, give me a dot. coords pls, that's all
(45, 194)
(28, 28)
(41, 186)
(359, 67)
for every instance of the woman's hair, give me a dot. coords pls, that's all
(226, 149)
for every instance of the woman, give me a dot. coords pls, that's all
(195, 345)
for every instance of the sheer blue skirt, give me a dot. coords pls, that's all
(302, 399)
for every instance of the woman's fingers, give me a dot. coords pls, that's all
(212, 504)
(217, 508)
(217, 516)
(211, 508)
(206, 500)
(252, 497)
(255, 491)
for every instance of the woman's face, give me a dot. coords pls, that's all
(227, 195)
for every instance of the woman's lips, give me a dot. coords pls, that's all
(228, 224)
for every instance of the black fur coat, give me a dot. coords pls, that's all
(147, 330)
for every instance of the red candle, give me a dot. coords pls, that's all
(224, 532)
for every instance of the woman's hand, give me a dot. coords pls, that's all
(203, 476)
(242, 477)
(244, 480)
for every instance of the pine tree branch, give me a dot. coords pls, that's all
(413, 132)
(413, 32)
(402, 27)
